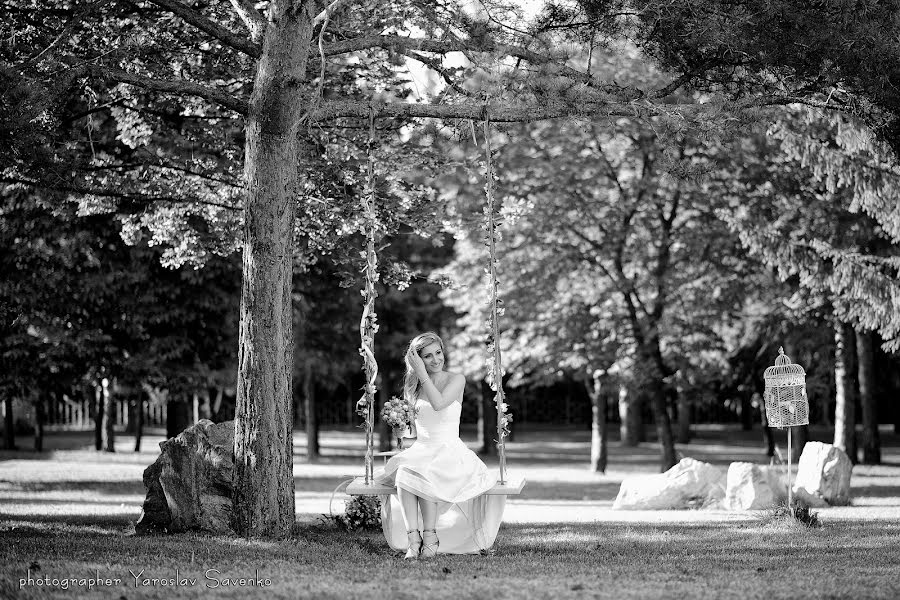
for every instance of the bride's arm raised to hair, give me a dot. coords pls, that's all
(452, 392)
(438, 399)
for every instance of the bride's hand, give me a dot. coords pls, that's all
(415, 362)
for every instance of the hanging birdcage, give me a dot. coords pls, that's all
(785, 395)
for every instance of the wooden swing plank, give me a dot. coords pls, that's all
(513, 486)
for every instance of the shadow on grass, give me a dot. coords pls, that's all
(117, 523)
(875, 491)
(85, 485)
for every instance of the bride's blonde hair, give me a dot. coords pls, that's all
(410, 380)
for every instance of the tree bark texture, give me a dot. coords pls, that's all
(845, 390)
(598, 426)
(263, 449)
(309, 407)
(630, 419)
(109, 417)
(487, 422)
(868, 404)
(9, 430)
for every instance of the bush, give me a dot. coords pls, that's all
(361, 513)
(800, 514)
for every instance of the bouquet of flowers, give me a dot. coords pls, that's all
(398, 413)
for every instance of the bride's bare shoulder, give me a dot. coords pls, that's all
(455, 377)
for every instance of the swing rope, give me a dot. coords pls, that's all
(368, 325)
(495, 370)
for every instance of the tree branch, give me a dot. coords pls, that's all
(209, 27)
(107, 193)
(399, 43)
(508, 113)
(440, 70)
(327, 12)
(255, 22)
(471, 110)
(180, 87)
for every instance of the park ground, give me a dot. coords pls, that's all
(69, 513)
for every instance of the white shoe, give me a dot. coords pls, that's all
(430, 543)
(415, 545)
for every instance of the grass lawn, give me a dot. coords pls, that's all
(69, 514)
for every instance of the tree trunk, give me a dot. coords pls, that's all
(871, 443)
(138, 421)
(217, 404)
(663, 427)
(598, 426)
(385, 434)
(845, 390)
(40, 416)
(109, 417)
(309, 407)
(195, 408)
(631, 422)
(263, 449)
(99, 405)
(895, 379)
(684, 417)
(351, 405)
(799, 437)
(9, 430)
(177, 415)
(756, 401)
(205, 404)
(130, 420)
(746, 412)
(487, 422)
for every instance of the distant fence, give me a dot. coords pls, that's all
(79, 414)
(532, 407)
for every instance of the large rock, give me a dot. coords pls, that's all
(752, 487)
(823, 475)
(189, 485)
(687, 484)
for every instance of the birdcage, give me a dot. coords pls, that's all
(785, 395)
(786, 402)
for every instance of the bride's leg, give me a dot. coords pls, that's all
(409, 509)
(430, 541)
(429, 514)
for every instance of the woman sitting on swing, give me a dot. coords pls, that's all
(440, 482)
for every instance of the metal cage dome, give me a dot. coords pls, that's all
(785, 393)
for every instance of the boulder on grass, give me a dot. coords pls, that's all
(823, 476)
(189, 486)
(753, 487)
(687, 484)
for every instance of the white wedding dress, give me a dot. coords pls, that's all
(440, 468)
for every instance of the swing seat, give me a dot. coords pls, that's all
(358, 487)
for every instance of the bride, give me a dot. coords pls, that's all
(440, 482)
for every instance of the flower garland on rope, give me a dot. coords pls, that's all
(368, 325)
(495, 371)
